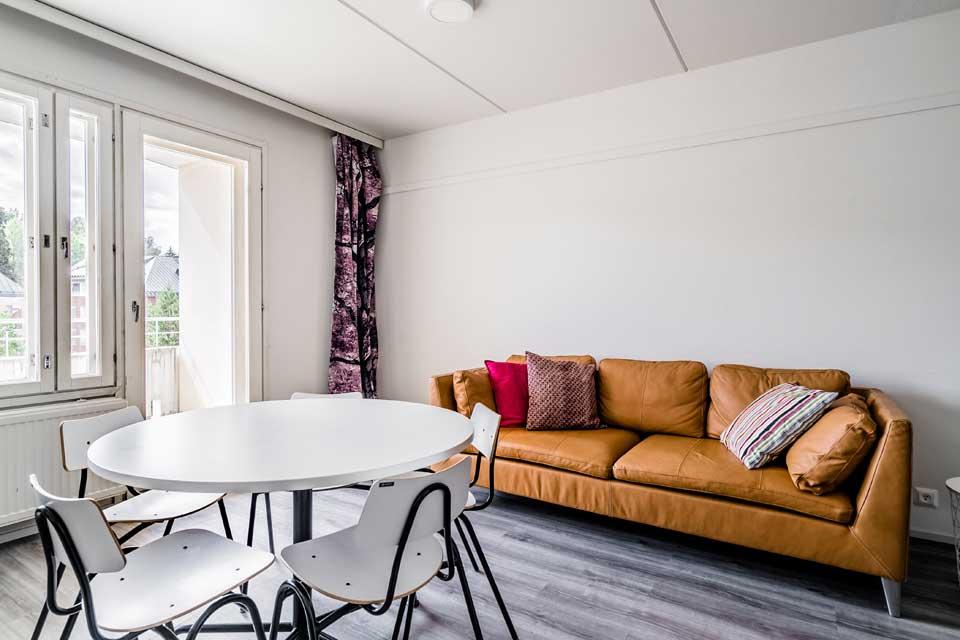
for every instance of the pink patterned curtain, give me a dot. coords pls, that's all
(353, 345)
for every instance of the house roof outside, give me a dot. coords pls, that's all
(161, 273)
(9, 287)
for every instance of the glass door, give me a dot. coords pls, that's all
(192, 275)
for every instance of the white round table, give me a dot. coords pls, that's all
(283, 445)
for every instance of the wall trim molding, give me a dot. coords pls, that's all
(933, 536)
(653, 147)
(48, 13)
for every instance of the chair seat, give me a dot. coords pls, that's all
(171, 577)
(157, 506)
(707, 466)
(343, 567)
(591, 452)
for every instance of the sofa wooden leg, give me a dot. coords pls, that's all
(891, 591)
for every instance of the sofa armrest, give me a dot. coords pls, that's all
(882, 523)
(441, 392)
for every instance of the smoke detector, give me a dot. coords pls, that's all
(450, 10)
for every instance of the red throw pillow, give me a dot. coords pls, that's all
(509, 382)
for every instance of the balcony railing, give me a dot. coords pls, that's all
(162, 331)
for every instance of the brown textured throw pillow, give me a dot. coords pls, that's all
(563, 395)
(823, 457)
(471, 386)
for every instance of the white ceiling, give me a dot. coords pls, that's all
(384, 67)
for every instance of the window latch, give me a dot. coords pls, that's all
(135, 308)
(47, 361)
(65, 246)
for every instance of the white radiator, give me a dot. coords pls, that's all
(30, 443)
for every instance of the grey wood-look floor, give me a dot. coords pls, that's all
(566, 574)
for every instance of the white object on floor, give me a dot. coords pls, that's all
(157, 506)
(282, 445)
(172, 576)
(303, 395)
(77, 437)
(354, 564)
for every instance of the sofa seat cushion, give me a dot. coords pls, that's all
(591, 452)
(705, 465)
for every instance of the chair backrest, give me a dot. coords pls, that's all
(302, 395)
(486, 428)
(87, 529)
(76, 436)
(390, 501)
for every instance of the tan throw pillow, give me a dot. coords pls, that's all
(471, 386)
(563, 394)
(823, 457)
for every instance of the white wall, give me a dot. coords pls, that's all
(796, 209)
(298, 165)
(205, 357)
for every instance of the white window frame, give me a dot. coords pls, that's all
(100, 223)
(46, 211)
(38, 263)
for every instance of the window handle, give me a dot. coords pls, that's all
(135, 308)
(65, 246)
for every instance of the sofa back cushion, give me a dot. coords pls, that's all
(471, 386)
(578, 359)
(734, 386)
(655, 397)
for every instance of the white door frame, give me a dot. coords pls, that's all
(247, 242)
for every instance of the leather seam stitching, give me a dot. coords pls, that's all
(863, 545)
(753, 501)
(769, 491)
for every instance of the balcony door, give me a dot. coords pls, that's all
(192, 267)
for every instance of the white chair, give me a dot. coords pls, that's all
(303, 395)
(297, 395)
(145, 509)
(147, 588)
(392, 552)
(486, 433)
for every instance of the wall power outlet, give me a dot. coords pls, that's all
(925, 497)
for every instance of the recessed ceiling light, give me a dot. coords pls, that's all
(450, 10)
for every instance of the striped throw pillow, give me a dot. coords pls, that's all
(772, 422)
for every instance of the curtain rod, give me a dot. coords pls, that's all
(102, 34)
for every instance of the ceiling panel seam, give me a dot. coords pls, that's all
(669, 34)
(417, 52)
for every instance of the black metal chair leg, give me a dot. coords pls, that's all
(266, 501)
(301, 599)
(467, 597)
(490, 579)
(169, 527)
(409, 621)
(45, 610)
(399, 623)
(466, 544)
(71, 621)
(231, 598)
(226, 521)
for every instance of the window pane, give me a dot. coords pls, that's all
(83, 220)
(17, 281)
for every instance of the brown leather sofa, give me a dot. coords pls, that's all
(660, 462)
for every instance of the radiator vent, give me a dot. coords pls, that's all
(30, 443)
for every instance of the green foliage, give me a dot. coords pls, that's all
(159, 333)
(78, 240)
(11, 337)
(11, 244)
